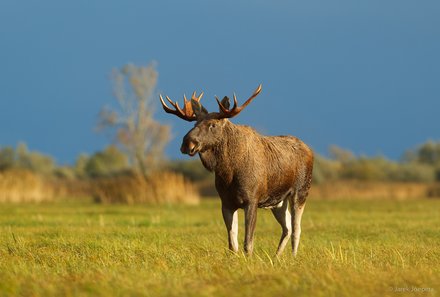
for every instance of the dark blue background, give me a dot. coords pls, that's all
(364, 75)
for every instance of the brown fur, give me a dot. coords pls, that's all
(253, 168)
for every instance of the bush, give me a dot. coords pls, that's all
(108, 162)
(325, 170)
(192, 169)
(412, 172)
(22, 158)
(366, 169)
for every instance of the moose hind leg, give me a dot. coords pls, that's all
(230, 216)
(282, 215)
(297, 209)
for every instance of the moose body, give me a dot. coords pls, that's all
(251, 171)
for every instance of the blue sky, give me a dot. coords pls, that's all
(364, 75)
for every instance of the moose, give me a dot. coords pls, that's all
(251, 170)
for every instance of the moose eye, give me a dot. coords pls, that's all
(212, 125)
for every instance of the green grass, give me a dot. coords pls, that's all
(348, 248)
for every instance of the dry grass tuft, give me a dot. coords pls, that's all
(17, 185)
(162, 187)
(358, 190)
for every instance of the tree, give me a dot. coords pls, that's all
(139, 134)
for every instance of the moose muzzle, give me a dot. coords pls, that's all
(190, 148)
(190, 145)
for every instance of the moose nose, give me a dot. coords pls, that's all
(186, 147)
(190, 143)
(189, 148)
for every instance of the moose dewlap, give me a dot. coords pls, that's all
(251, 170)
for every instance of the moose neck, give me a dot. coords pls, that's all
(228, 153)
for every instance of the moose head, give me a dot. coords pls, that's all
(208, 129)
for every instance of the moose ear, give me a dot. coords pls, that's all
(225, 102)
(198, 109)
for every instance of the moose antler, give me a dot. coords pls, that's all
(225, 112)
(187, 113)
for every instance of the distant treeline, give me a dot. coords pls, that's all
(109, 162)
(421, 164)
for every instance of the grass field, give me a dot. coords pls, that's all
(348, 248)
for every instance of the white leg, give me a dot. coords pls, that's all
(283, 217)
(231, 221)
(297, 211)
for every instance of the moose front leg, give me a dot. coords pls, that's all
(250, 219)
(230, 216)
